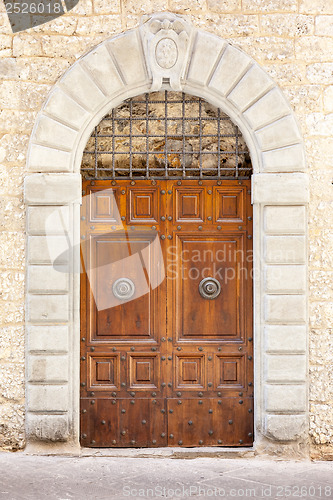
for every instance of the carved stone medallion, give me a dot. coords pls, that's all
(166, 53)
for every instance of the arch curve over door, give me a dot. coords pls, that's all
(166, 52)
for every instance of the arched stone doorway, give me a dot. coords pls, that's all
(166, 52)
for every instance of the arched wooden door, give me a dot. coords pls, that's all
(166, 312)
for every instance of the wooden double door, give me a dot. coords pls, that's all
(166, 313)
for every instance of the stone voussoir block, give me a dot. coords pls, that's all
(49, 250)
(49, 220)
(46, 159)
(285, 309)
(48, 308)
(285, 219)
(281, 133)
(229, 70)
(100, 63)
(253, 84)
(289, 159)
(53, 428)
(267, 109)
(280, 188)
(288, 368)
(126, 49)
(48, 338)
(285, 249)
(47, 279)
(52, 189)
(285, 279)
(285, 427)
(48, 369)
(51, 133)
(48, 398)
(60, 105)
(205, 53)
(79, 83)
(285, 338)
(285, 398)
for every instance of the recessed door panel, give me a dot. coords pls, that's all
(230, 205)
(103, 205)
(189, 204)
(103, 371)
(143, 205)
(122, 302)
(199, 258)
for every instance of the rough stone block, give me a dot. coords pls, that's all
(285, 338)
(285, 219)
(230, 68)
(314, 48)
(48, 249)
(48, 308)
(324, 25)
(46, 159)
(48, 369)
(320, 72)
(62, 106)
(316, 7)
(253, 84)
(287, 25)
(285, 279)
(285, 249)
(99, 62)
(205, 53)
(280, 188)
(45, 338)
(80, 84)
(285, 427)
(291, 398)
(285, 368)
(52, 189)
(290, 159)
(269, 108)
(285, 309)
(99, 25)
(48, 220)
(52, 133)
(47, 427)
(270, 5)
(129, 57)
(319, 124)
(224, 6)
(47, 398)
(47, 279)
(283, 132)
(328, 99)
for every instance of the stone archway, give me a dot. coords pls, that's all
(165, 51)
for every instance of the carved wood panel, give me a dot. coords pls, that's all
(166, 313)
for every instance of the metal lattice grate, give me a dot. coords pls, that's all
(166, 135)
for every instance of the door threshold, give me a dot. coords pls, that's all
(211, 452)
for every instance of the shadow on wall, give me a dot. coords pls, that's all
(27, 14)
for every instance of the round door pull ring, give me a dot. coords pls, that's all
(123, 288)
(209, 288)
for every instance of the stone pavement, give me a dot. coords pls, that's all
(89, 477)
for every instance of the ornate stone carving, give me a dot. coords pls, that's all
(165, 39)
(166, 53)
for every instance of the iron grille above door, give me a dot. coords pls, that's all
(166, 135)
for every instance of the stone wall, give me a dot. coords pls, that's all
(291, 39)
